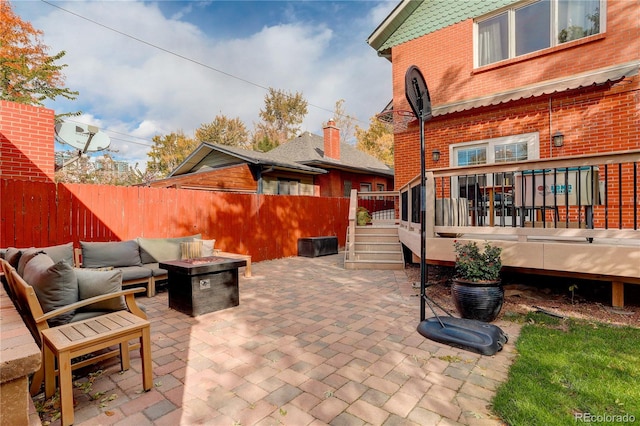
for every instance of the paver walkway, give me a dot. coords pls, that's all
(311, 343)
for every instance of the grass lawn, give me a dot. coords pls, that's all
(570, 372)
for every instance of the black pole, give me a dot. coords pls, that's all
(423, 220)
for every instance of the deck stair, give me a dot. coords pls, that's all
(375, 247)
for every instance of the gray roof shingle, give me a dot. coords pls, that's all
(309, 149)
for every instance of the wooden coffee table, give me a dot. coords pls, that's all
(203, 285)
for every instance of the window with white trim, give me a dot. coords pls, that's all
(505, 149)
(535, 25)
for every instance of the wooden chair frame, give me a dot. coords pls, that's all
(28, 305)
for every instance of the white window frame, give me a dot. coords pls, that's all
(512, 30)
(533, 151)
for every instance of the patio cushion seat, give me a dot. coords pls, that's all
(155, 268)
(134, 272)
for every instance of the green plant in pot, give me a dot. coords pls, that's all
(477, 289)
(363, 217)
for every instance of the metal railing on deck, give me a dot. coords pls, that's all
(587, 196)
(382, 205)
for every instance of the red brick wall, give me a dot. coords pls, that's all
(595, 119)
(26, 142)
(445, 58)
(331, 140)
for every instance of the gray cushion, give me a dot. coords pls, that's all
(27, 255)
(156, 270)
(56, 253)
(134, 272)
(116, 253)
(55, 285)
(96, 283)
(12, 255)
(161, 249)
(60, 252)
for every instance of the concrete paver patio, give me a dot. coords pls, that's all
(311, 343)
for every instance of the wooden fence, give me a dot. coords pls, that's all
(38, 214)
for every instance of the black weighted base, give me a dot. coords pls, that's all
(470, 335)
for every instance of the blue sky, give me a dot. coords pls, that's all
(165, 66)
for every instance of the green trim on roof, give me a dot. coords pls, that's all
(433, 15)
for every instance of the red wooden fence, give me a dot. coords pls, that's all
(39, 214)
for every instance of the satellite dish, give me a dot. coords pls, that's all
(82, 137)
(417, 93)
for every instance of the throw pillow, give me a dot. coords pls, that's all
(60, 252)
(207, 247)
(191, 250)
(55, 285)
(12, 255)
(26, 256)
(153, 250)
(96, 283)
(113, 253)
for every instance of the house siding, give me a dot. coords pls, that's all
(234, 178)
(218, 161)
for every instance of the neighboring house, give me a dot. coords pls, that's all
(307, 165)
(506, 76)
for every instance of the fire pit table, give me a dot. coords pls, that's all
(203, 285)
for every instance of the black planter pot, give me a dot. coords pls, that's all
(479, 301)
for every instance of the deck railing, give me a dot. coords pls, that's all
(591, 196)
(383, 207)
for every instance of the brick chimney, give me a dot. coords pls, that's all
(331, 140)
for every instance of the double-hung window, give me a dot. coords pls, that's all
(491, 151)
(531, 26)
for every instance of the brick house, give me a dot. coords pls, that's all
(307, 165)
(506, 76)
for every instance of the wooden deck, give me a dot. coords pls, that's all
(608, 249)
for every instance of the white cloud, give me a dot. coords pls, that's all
(135, 89)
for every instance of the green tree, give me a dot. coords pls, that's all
(282, 116)
(168, 152)
(262, 142)
(377, 140)
(28, 75)
(225, 131)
